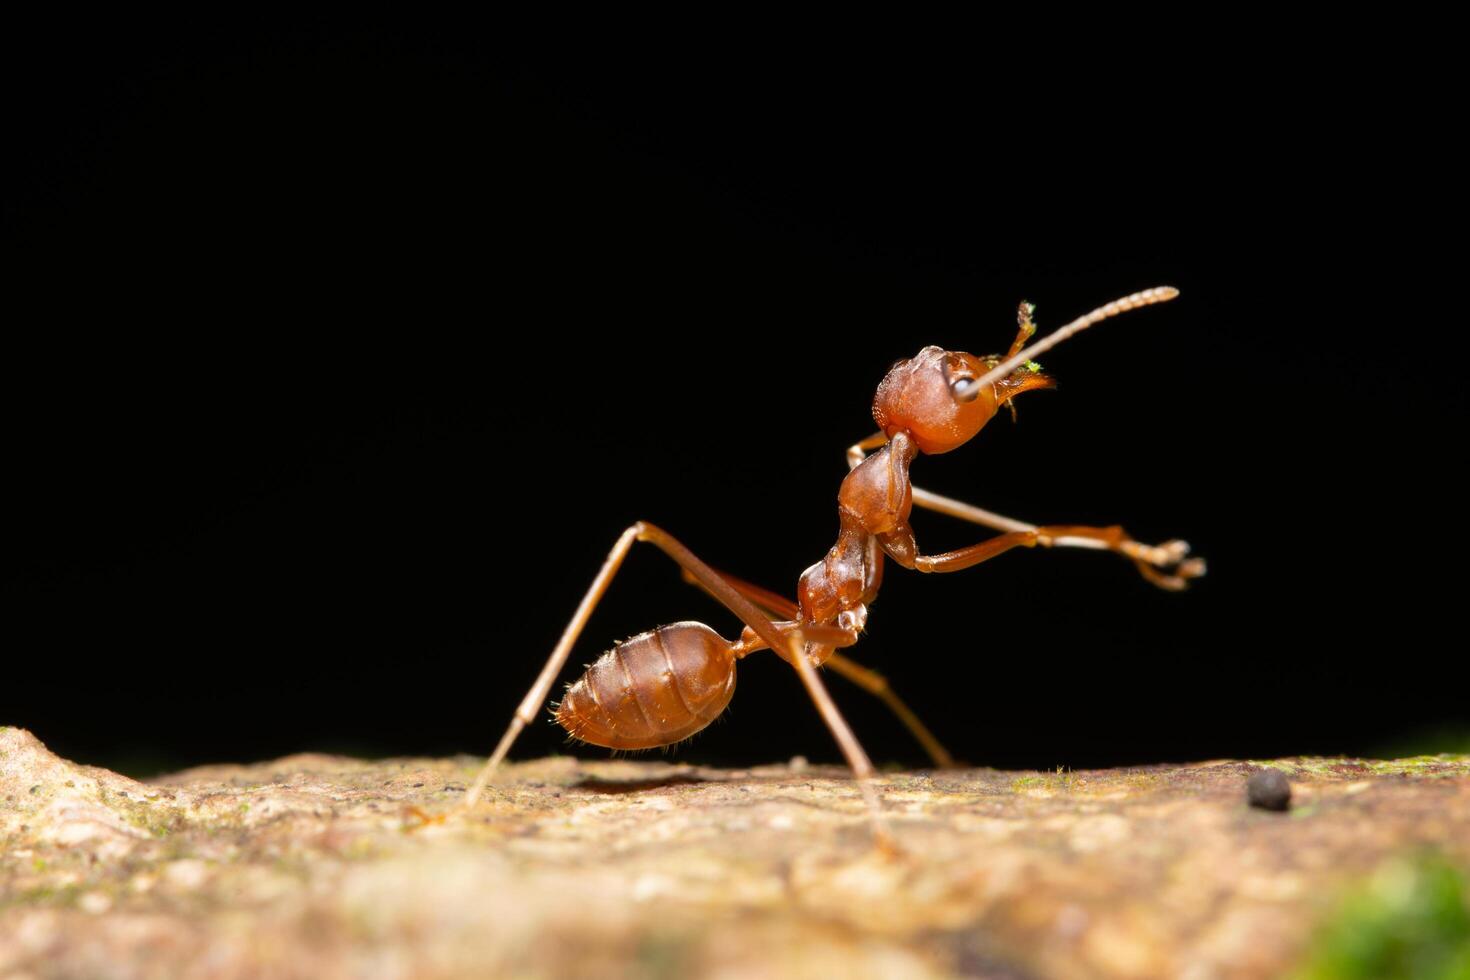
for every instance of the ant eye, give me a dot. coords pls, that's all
(964, 389)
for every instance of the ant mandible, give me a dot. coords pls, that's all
(661, 687)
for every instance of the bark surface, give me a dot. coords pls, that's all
(320, 866)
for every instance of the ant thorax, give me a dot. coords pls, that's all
(874, 500)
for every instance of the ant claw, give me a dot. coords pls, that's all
(1171, 583)
(1178, 581)
(1174, 551)
(1152, 560)
(1164, 555)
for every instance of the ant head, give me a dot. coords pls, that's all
(941, 398)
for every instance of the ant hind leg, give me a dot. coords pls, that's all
(762, 626)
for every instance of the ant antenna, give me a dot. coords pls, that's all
(1159, 294)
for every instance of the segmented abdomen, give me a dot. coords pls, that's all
(652, 689)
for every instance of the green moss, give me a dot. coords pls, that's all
(1140, 780)
(1325, 766)
(1285, 767)
(158, 821)
(1063, 780)
(1441, 765)
(1410, 919)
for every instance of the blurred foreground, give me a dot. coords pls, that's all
(317, 866)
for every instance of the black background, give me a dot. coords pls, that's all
(338, 354)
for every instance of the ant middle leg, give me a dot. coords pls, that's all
(780, 607)
(866, 678)
(877, 685)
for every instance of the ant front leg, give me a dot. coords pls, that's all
(1167, 565)
(768, 633)
(900, 545)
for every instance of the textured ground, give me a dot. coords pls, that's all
(307, 867)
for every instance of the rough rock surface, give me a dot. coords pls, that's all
(315, 866)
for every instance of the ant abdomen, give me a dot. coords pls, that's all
(652, 689)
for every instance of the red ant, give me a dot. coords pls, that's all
(661, 687)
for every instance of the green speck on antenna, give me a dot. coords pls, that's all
(1033, 367)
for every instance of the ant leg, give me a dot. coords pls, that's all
(773, 603)
(537, 695)
(954, 561)
(1166, 565)
(1047, 536)
(869, 680)
(857, 759)
(876, 684)
(758, 623)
